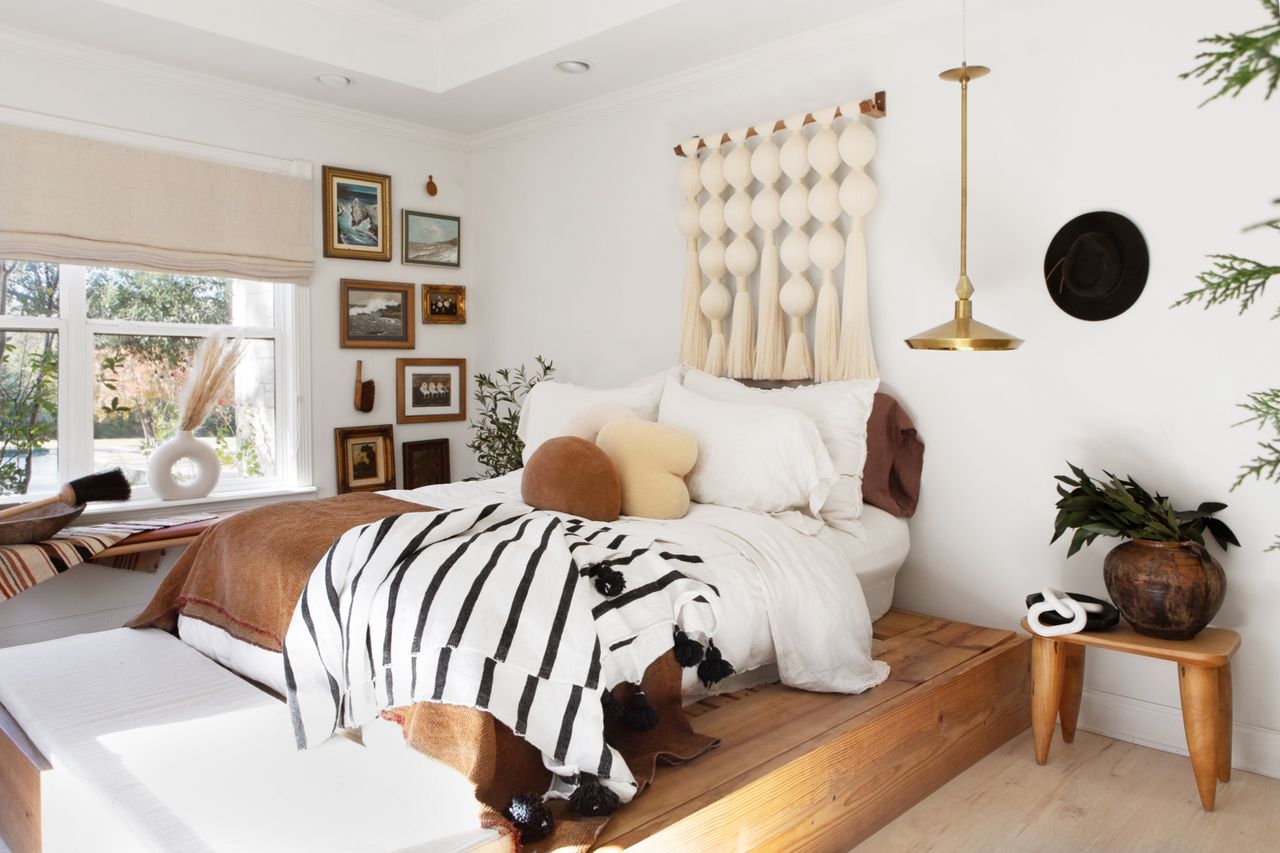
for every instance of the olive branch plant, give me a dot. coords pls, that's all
(1230, 63)
(496, 443)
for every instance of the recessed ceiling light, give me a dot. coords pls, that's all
(573, 66)
(331, 79)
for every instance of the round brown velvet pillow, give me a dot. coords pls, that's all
(572, 475)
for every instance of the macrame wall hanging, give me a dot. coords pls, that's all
(821, 159)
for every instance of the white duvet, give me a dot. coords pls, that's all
(818, 619)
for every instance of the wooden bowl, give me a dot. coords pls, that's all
(40, 525)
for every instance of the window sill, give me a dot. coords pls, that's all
(218, 502)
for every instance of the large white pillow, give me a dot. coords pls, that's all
(762, 458)
(840, 410)
(553, 409)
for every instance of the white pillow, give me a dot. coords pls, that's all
(553, 409)
(840, 410)
(761, 458)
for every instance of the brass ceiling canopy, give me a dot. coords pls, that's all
(962, 332)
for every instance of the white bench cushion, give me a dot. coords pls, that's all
(191, 757)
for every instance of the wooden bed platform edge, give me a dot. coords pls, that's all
(795, 770)
(810, 771)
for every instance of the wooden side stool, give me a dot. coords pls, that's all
(1204, 682)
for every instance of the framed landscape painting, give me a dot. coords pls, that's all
(432, 239)
(376, 315)
(444, 303)
(430, 390)
(366, 458)
(357, 214)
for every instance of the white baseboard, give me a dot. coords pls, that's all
(1254, 748)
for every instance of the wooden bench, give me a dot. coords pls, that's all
(159, 540)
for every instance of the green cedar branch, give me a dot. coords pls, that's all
(1235, 60)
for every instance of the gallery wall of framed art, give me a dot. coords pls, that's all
(358, 224)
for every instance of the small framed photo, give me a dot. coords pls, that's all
(376, 315)
(430, 390)
(444, 303)
(426, 463)
(357, 214)
(366, 458)
(432, 239)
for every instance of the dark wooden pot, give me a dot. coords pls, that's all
(1165, 589)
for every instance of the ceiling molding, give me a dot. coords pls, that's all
(804, 46)
(98, 60)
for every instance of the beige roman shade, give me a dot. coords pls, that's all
(75, 200)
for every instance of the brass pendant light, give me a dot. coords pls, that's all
(962, 332)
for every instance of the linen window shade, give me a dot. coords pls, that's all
(75, 200)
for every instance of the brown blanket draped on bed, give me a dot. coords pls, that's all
(245, 575)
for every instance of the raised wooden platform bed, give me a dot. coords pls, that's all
(811, 771)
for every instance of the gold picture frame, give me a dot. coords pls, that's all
(357, 214)
(444, 303)
(376, 315)
(430, 390)
(366, 458)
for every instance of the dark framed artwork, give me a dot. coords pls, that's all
(426, 463)
(444, 303)
(366, 458)
(431, 239)
(357, 214)
(430, 390)
(376, 315)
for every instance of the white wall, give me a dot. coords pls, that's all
(580, 260)
(100, 88)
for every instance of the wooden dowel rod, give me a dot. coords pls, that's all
(142, 547)
(873, 107)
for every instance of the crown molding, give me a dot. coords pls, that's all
(826, 40)
(244, 94)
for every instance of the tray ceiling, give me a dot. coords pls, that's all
(466, 66)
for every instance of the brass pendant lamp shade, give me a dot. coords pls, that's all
(962, 332)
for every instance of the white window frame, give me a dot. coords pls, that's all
(76, 377)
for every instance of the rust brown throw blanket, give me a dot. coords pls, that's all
(245, 575)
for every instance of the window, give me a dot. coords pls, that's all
(93, 362)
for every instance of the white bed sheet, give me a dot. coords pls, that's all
(726, 537)
(190, 757)
(753, 559)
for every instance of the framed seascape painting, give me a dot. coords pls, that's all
(444, 303)
(433, 239)
(357, 214)
(366, 458)
(376, 315)
(431, 389)
(426, 463)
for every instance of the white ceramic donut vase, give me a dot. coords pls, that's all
(183, 446)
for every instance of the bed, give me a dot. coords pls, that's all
(788, 599)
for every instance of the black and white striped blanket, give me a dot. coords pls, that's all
(493, 608)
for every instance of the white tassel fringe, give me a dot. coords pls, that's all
(826, 335)
(715, 363)
(772, 331)
(857, 354)
(693, 334)
(798, 364)
(740, 343)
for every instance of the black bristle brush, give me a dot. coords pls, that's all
(103, 486)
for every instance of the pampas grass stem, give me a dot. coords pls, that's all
(211, 372)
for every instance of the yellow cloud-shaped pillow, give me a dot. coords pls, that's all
(652, 460)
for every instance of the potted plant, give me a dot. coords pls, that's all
(1163, 580)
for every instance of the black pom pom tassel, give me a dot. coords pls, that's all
(688, 651)
(609, 581)
(591, 798)
(531, 816)
(713, 667)
(639, 716)
(612, 707)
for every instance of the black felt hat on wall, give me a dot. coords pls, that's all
(1096, 265)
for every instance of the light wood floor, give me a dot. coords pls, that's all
(1095, 794)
